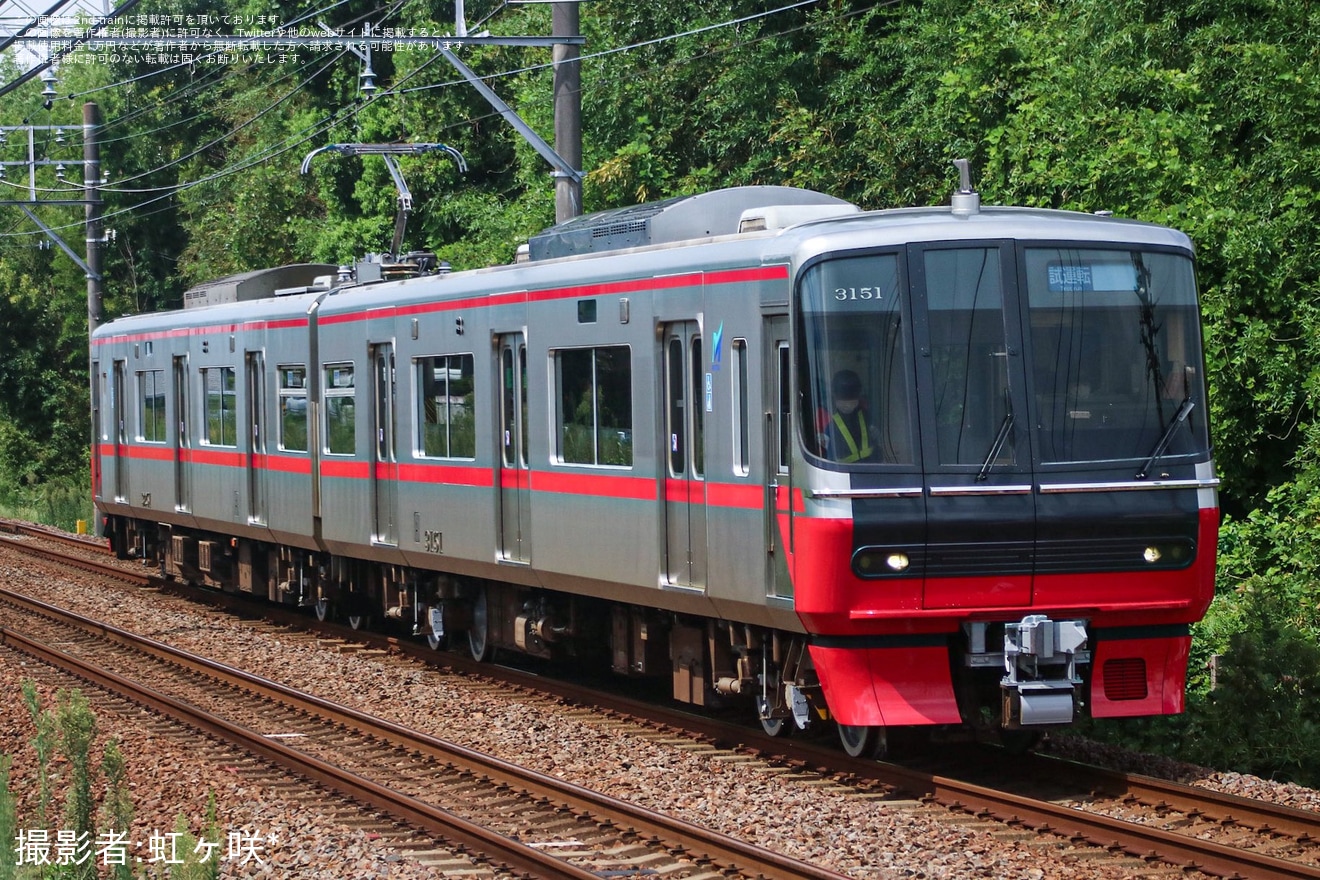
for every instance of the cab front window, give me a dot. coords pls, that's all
(854, 369)
(1116, 354)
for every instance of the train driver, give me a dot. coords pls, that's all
(847, 437)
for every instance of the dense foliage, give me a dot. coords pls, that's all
(1203, 114)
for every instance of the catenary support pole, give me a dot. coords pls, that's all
(92, 193)
(565, 22)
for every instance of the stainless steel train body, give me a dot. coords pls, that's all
(627, 446)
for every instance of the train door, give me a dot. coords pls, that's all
(515, 516)
(685, 472)
(182, 440)
(256, 458)
(97, 429)
(119, 408)
(385, 478)
(776, 397)
(973, 427)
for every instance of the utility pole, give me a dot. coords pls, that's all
(92, 195)
(568, 109)
(90, 202)
(95, 281)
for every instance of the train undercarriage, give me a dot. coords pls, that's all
(715, 664)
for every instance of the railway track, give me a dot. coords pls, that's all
(531, 823)
(1148, 821)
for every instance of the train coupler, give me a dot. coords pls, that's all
(1040, 683)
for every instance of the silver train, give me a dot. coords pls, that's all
(932, 466)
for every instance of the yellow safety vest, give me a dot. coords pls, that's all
(854, 453)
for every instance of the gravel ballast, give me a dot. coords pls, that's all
(170, 777)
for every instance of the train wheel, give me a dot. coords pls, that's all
(478, 637)
(863, 741)
(772, 726)
(322, 608)
(437, 637)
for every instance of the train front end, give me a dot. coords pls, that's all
(1005, 503)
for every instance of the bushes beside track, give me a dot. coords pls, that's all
(60, 503)
(1253, 697)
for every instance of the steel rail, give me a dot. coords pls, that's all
(698, 842)
(1228, 809)
(517, 856)
(1138, 840)
(1043, 816)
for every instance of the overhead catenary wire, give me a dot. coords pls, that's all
(244, 125)
(301, 138)
(320, 11)
(235, 130)
(197, 86)
(227, 135)
(513, 72)
(247, 123)
(590, 56)
(13, 38)
(64, 50)
(352, 111)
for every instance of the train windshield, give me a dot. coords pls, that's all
(1110, 372)
(1116, 354)
(856, 384)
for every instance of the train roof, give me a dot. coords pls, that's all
(258, 284)
(684, 218)
(733, 227)
(901, 225)
(233, 314)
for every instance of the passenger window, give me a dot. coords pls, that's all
(221, 406)
(698, 412)
(785, 411)
(594, 412)
(293, 408)
(446, 412)
(340, 415)
(151, 406)
(741, 410)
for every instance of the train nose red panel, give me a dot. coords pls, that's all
(889, 686)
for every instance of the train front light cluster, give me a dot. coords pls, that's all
(874, 563)
(1171, 555)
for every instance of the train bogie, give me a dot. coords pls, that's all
(902, 468)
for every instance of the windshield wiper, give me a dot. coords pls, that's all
(995, 447)
(1178, 418)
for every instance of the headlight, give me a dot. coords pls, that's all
(884, 562)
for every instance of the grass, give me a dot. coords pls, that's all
(59, 504)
